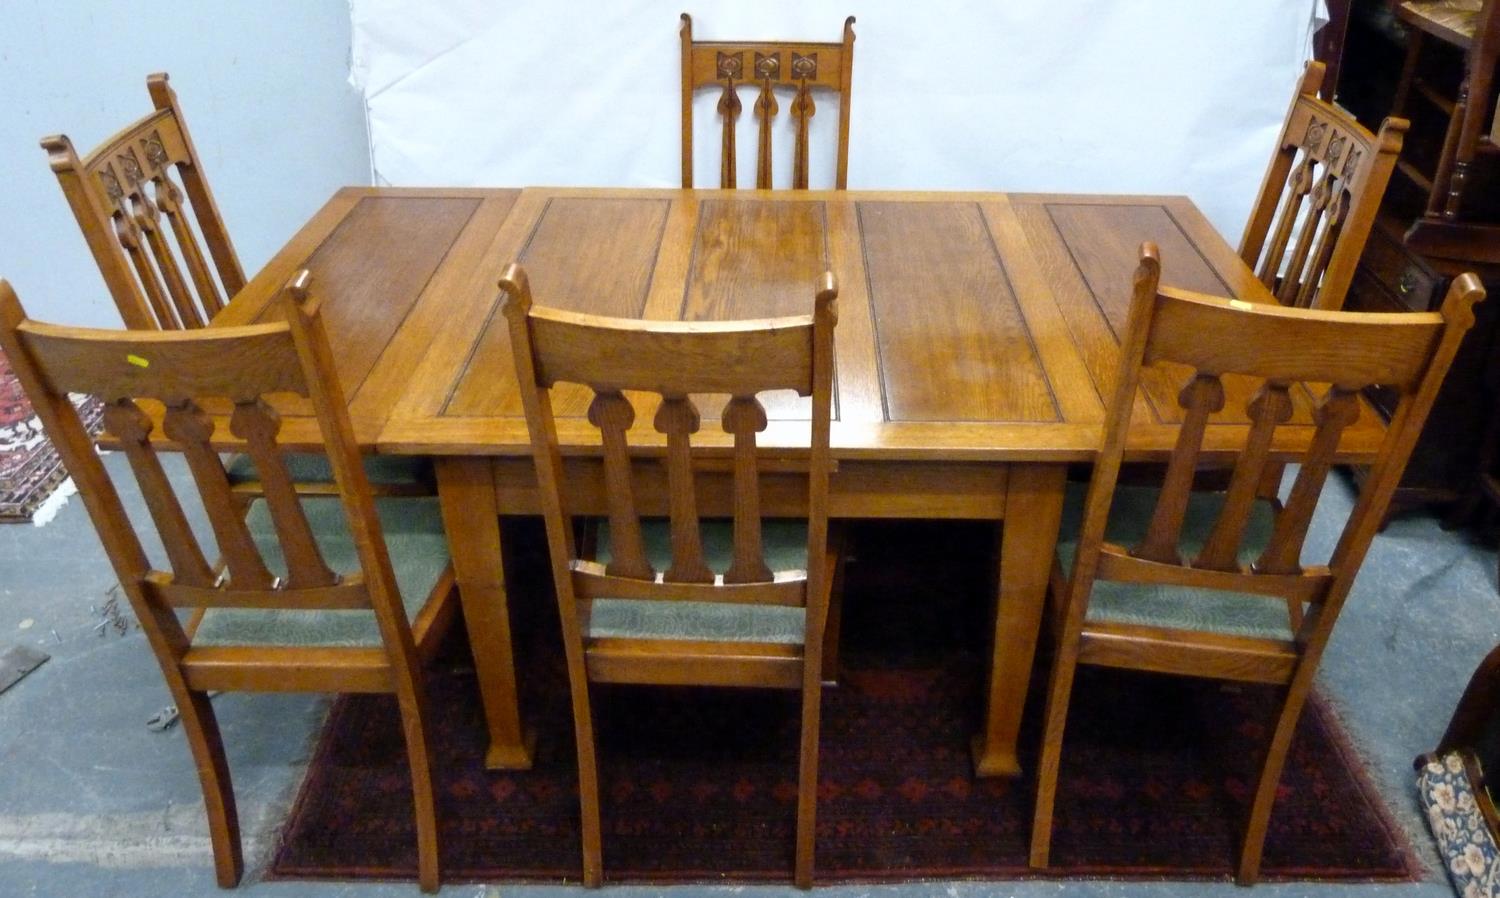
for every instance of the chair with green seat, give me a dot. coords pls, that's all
(684, 601)
(348, 594)
(1176, 581)
(143, 203)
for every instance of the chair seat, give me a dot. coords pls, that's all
(313, 467)
(1452, 20)
(413, 529)
(1168, 606)
(785, 547)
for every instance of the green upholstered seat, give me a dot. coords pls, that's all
(413, 529)
(785, 547)
(1175, 607)
(313, 467)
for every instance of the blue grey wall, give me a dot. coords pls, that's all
(264, 86)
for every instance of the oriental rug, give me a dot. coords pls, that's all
(700, 785)
(30, 469)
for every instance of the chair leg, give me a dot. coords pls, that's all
(418, 756)
(807, 777)
(1059, 693)
(1270, 776)
(588, 786)
(202, 730)
(1408, 73)
(834, 622)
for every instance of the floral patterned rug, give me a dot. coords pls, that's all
(30, 471)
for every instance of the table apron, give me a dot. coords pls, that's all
(857, 489)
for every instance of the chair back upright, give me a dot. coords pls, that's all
(1333, 356)
(800, 66)
(664, 364)
(127, 199)
(146, 376)
(1319, 199)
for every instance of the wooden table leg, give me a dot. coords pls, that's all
(1033, 510)
(471, 518)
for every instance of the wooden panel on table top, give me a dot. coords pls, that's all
(371, 270)
(469, 269)
(756, 260)
(587, 254)
(952, 341)
(1102, 246)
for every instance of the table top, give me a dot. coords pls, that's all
(972, 326)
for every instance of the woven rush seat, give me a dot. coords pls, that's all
(1455, 20)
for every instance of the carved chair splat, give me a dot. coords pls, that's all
(800, 66)
(1319, 198)
(126, 194)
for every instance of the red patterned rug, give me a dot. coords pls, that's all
(30, 469)
(699, 785)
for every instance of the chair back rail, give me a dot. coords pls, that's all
(150, 219)
(675, 361)
(800, 66)
(1335, 355)
(1319, 199)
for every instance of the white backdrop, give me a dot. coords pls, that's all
(1124, 96)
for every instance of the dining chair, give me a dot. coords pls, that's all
(1178, 581)
(1319, 199)
(1473, 27)
(800, 66)
(128, 199)
(322, 596)
(120, 193)
(687, 601)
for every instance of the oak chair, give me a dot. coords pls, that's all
(1321, 192)
(120, 193)
(685, 602)
(323, 596)
(1177, 581)
(801, 66)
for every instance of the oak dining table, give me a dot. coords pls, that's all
(977, 334)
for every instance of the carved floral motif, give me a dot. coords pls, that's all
(1336, 148)
(1352, 162)
(112, 188)
(131, 166)
(767, 65)
(1314, 136)
(730, 64)
(805, 66)
(156, 152)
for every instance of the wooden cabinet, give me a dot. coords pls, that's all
(1392, 276)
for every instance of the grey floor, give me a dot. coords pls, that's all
(92, 803)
